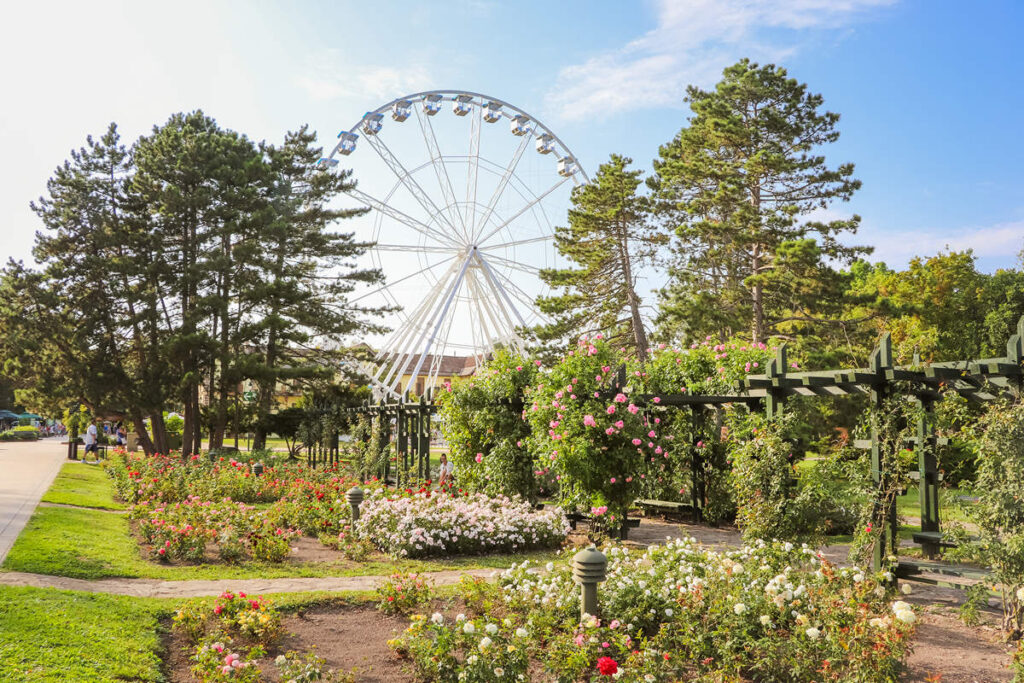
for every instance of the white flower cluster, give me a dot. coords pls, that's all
(776, 588)
(431, 524)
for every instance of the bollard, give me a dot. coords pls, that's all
(257, 469)
(355, 497)
(588, 569)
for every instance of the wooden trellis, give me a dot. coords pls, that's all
(407, 423)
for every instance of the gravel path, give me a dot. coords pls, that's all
(154, 588)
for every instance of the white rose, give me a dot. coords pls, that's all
(468, 628)
(812, 633)
(437, 618)
(485, 643)
(765, 620)
(906, 616)
(899, 605)
(491, 628)
(858, 577)
(906, 589)
(499, 672)
(521, 632)
(739, 608)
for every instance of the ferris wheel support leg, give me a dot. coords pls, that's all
(440, 319)
(492, 277)
(393, 349)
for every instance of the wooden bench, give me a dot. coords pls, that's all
(664, 506)
(933, 538)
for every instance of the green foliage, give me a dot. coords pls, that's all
(609, 241)
(465, 650)
(770, 504)
(485, 431)
(999, 513)
(737, 184)
(587, 432)
(681, 612)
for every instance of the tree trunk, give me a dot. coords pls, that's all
(267, 388)
(148, 447)
(756, 295)
(160, 440)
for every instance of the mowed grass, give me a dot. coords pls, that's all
(50, 635)
(84, 486)
(95, 544)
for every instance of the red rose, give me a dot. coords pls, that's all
(607, 666)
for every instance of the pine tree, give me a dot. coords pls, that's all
(737, 185)
(608, 240)
(306, 273)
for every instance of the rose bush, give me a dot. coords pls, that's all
(588, 432)
(789, 616)
(421, 523)
(486, 435)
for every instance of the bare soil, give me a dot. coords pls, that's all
(946, 651)
(351, 639)
(354, 639)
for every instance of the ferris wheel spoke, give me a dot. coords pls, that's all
(524, 267)
(394, 356)
(516, 243)
(473, 167)
(537, 200)
(499, 190)
(444, 180)
(410, 184)
(389, 285)
(414, 248)
(390, 211)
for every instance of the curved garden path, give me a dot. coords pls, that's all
(195, 588)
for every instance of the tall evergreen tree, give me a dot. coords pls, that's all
(737, 184)
(300, 305)
(198, 184)
(608, 241)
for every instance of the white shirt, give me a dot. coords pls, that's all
(90, 435)
(447, 467)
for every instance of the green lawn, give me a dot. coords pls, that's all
(62, 636)
(94, 544)
(50, 635)
(84, 486)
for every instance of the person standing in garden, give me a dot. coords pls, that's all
(91, 439)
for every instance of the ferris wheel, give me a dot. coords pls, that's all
(461, 224)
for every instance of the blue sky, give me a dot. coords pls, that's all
(930, 92)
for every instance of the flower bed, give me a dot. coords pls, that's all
(421, 523)
(680, 612)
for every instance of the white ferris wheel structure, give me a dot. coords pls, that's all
(461, 225)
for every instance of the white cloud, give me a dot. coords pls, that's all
(331, 77)
(1001, 241)
(692, 41)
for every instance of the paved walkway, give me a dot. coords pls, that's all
(27, 468)
(154, 588)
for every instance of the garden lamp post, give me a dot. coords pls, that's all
(589, 569)
(355, 498)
